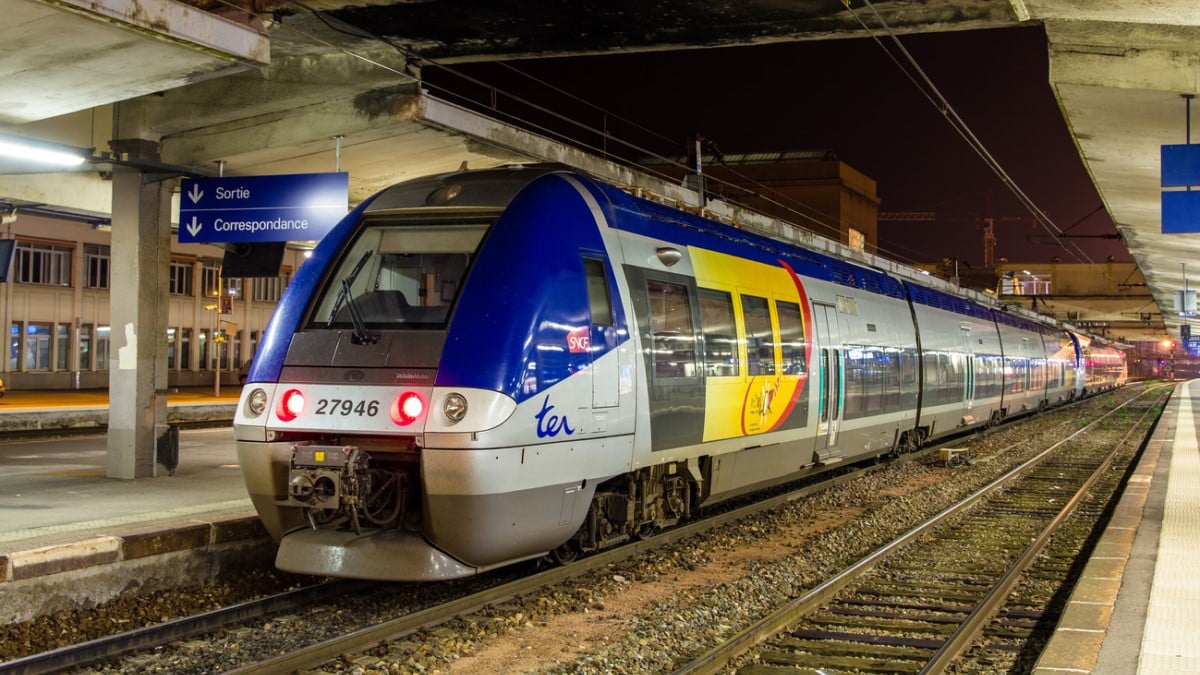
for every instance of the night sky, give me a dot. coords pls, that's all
(848, 97)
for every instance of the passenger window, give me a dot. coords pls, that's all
(720, 334)
(760, 344)
(599, 300)
(673, 348)
(791, 337)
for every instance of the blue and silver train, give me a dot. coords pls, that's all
(483, 367)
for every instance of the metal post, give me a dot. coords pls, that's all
(337, 153)
(212, 340)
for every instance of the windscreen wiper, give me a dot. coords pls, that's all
(362, 336)
(344, 293)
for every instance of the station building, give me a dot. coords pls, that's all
(56, 304)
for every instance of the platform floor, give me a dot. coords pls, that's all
(1136, 606)
(1135, 610)
(60, 512)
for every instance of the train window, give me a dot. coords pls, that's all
(720, 333)
(399, 275)
(791, 337)
(673, 348)
(857, 374)
(760, 343)
(597, 288)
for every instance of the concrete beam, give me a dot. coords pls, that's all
(108, 50)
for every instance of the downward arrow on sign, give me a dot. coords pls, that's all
(195, 194)
(194, 227)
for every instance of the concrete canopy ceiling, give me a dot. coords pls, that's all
(267, 87)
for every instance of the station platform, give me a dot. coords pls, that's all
(24, 410)
(69, 534)
(1136, 606)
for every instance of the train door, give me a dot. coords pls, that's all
(968, 376)
(830, 377)
(666, 309)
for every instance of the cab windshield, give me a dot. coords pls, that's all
(398, 275)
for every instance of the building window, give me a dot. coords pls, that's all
(37, 346)
(96, 260)
(170, 349)
(1025, 283)
(268, 289)
(232, 290)
(202, 336)
(85, 347)
(43, 264)
(62, 347)
(185, 347)
(180, 282)
(14, 346)
(237, 350)
(855, 239)
(210, 278)
(102, 342)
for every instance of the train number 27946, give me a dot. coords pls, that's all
(346, 407)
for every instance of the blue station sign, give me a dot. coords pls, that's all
(288, 207)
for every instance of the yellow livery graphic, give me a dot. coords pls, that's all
(755, 386)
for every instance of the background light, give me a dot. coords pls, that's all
(31, 150)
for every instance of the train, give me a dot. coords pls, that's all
(526, 362)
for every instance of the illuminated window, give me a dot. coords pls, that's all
(855, 239)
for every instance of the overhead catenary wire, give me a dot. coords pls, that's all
(928, 89)
(822, 221)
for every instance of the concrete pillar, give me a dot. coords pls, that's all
(137, 380)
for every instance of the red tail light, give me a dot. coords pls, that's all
(290, 405)
(407, 408)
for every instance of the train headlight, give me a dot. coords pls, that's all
(407, 408)
(257, 402)
(454, 407)
(290, 405)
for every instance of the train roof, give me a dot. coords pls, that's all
(493, 188)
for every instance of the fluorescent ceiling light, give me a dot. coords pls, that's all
(39, 153)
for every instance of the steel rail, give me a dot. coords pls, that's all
(777, 621)
(968, 631)
(365, 638)
(113, 646)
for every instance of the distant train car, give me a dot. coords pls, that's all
(483, 367)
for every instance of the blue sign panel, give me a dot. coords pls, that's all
(1192, 345)
(1181, 165)
(1180, 212)
(292, 207)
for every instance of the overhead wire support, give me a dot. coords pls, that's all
(494, 93)
(935, 97)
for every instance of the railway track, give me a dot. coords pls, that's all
(325, 643)
(940, 594)
(301, 600)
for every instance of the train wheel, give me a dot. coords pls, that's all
(565, 554)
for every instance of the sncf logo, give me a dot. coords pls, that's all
(579, 340)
